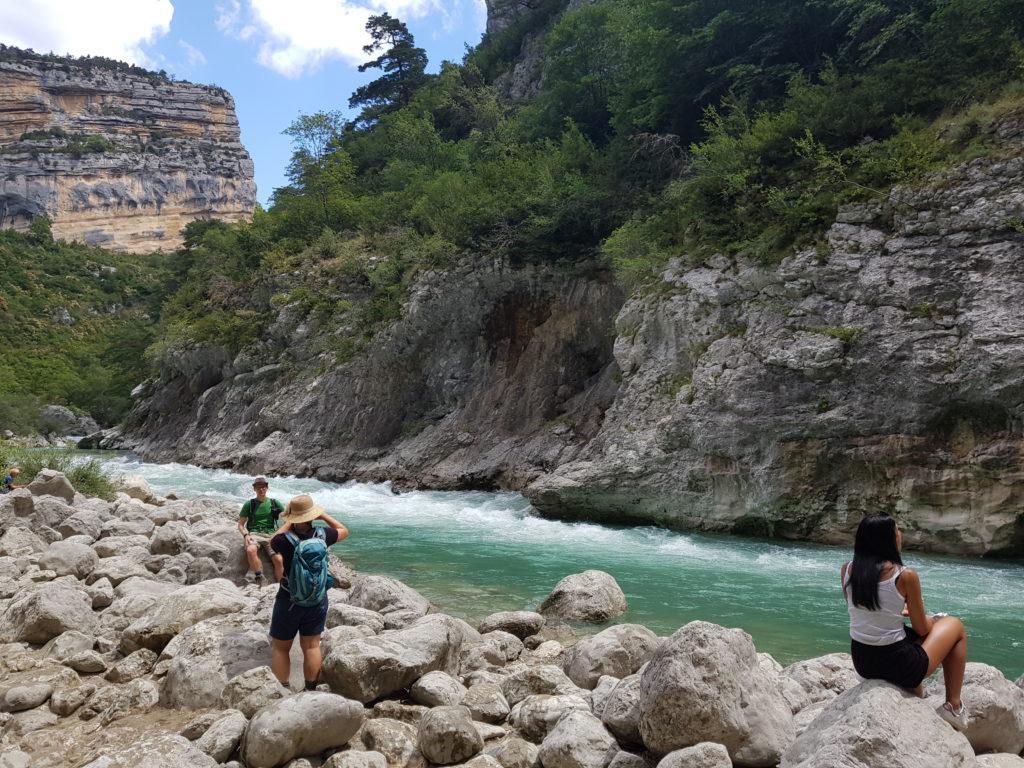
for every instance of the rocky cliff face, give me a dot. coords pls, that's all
(116, 158)
(879, 371)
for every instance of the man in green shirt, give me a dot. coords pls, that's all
(257, 522)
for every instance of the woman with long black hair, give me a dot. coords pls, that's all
(879, 593)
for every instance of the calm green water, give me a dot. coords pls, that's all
(475, 553)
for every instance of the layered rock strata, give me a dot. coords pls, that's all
(154, 653)
(116, 158)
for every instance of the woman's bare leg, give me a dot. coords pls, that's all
(280, 659)
(946, 644)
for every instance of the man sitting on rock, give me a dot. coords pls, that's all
(10, 481)
(257, 522)
(301, 603)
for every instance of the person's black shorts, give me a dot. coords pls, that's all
(289, 619)
(903, 663)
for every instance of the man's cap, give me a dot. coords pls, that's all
(260, 481)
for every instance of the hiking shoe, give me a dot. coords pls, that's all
(261, 581)
(955, 717)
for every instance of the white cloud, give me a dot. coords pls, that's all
(115, 28)
(193, 56)
(296, 36)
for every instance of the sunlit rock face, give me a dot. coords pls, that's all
(116, 158)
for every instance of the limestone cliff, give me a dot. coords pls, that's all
(115, 156)
(882, 370)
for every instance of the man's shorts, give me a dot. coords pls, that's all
(262, 541)
(289, 619)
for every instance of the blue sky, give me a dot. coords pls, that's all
(277, 57)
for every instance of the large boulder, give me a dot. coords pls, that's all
(394, 739)
(61, 420)
(621, 711)
(822, 678)
(119, 568)
(1000, 760)
(398, 603)
(46, 612)
(305, 724)
(67, 558)
(532, 681)
(83, 522)
(436, 689)
(344, 615)
(159, 750)
(486, 703)
(252, 690)
(522, 624)
(703, 755)
(535, 716)
(578, 740)
(204, 657)
(995, 709)
(514, 752)
(446, 735)
(365, 669)
(22, 697)
(878, 724)
(180, 609)
(618, 651)
(587, 596)
(137, 487)
(49, 482)
(223, 736)
(18, 542)
(705, 684)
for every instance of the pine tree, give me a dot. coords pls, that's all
(402, 63)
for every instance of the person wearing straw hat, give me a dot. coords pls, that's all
(301, 608)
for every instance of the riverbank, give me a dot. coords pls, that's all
(129, 623)
(473, 553)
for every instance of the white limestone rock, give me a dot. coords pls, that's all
(589, 596)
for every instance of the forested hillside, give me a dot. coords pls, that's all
(75, 322)
(656, 128)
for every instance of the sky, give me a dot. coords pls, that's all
(278, 58)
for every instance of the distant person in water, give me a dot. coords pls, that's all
(11, 481)
(301, 604)
(879, 593)
(257, 522)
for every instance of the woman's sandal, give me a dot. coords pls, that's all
(955, 717)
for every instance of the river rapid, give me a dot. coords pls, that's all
(473, 553)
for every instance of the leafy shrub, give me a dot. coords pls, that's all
(85, 474)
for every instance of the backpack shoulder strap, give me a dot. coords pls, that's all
(292, 538)
(276, 507)
(320, 533)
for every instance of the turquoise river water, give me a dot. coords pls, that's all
(475, 553)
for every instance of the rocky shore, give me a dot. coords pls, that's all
(131, 639)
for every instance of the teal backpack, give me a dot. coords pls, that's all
(308, 579)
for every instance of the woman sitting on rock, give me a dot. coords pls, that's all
(879, 593)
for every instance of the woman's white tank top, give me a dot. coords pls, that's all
(881, 627)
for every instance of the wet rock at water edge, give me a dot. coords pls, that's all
(591, 596)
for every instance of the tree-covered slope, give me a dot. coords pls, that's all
(75, 322)
(658, 129)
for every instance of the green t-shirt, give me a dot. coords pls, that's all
(264, 519)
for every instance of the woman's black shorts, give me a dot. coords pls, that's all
(289, 619)
(902, 663)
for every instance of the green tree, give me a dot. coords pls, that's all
(402, 62)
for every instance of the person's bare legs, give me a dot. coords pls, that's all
(280, 662)
(311, 657)
(252, 554)
(946, 644)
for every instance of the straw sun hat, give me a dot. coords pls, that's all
(302, 509)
